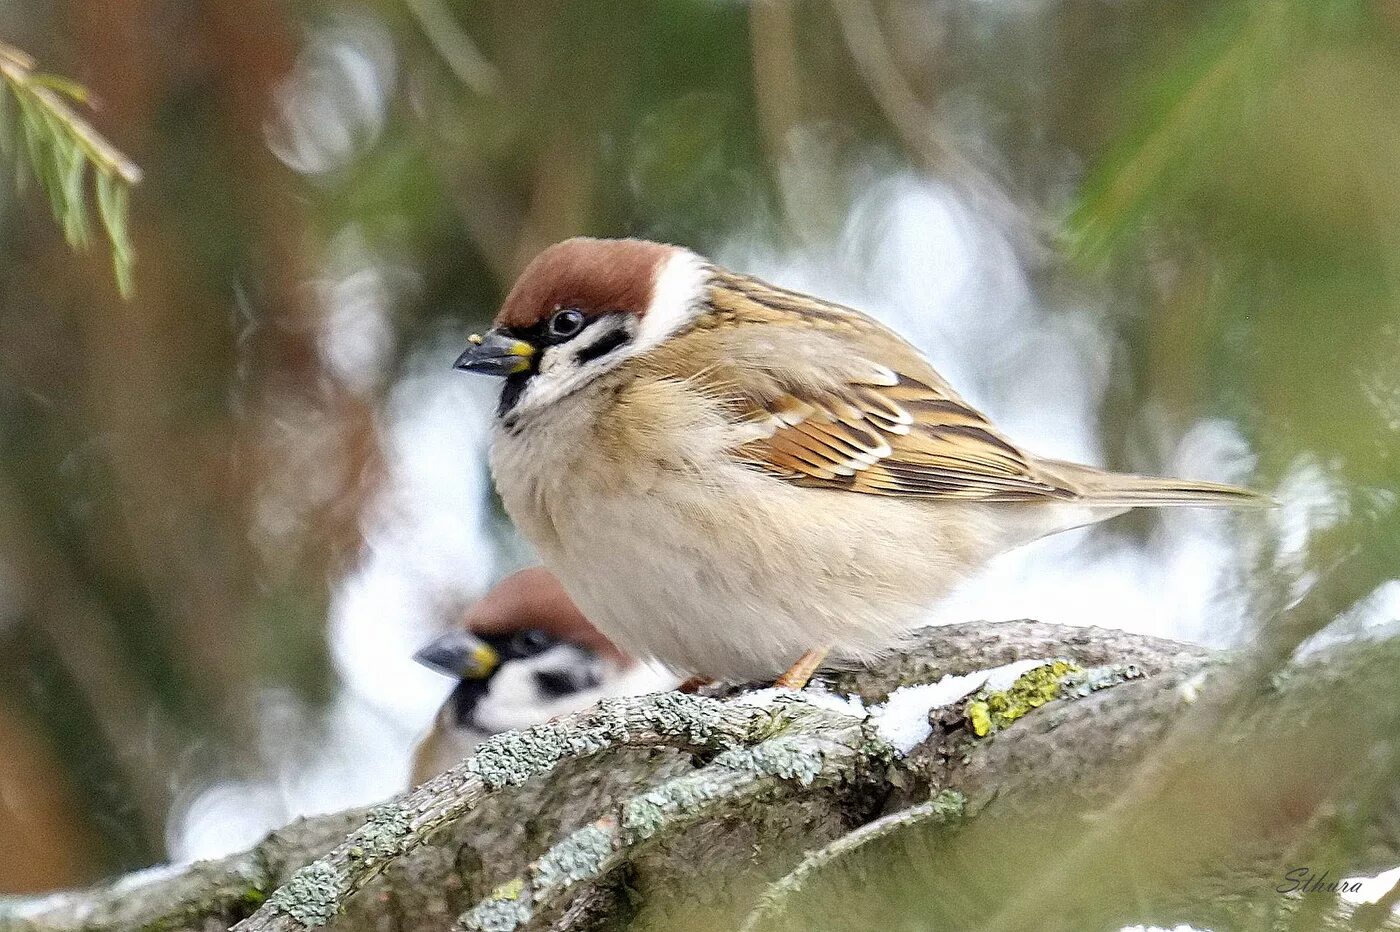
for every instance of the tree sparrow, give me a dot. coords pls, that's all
(728, 476)
(522, 655)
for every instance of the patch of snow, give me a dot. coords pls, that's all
(22, 908)
(1002, 677)
(850, 705)
(903, 719)
(1371, 888)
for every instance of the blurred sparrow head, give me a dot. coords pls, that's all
(725, 474)
(522, 655)
(503, 678)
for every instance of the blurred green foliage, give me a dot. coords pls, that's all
(1256, 159)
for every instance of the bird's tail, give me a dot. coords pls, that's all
(1127, 491)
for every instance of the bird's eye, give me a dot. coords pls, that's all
(529, 642)
(565, 324)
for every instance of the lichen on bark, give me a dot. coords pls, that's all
(533, 833)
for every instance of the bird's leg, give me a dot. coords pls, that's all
(799, 673)
(693, 684)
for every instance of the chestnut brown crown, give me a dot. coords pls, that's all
(593, 276)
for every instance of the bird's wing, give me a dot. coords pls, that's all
(878, 420)
(892, 437)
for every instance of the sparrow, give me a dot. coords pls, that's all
(736, 479)
(522, 655)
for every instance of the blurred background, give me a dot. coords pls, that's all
(1159, 235)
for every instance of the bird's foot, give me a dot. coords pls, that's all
(694, 684)
(801, 672)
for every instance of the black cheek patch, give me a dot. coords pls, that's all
(606, 344)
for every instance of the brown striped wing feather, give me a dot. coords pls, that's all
(904, 439)
(892, 427)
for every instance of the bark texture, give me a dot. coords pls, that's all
(1134, 779)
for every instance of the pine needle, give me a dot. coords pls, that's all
(59, 150)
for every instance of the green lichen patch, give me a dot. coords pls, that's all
(504, 910)
(947, 806)
(798, 760)
(511, 758)
(580, 856)
(510, 890)
(384, 834)
(644, 815)
(790, 758)
(993, 710)
(312, 896)
(1081, 684)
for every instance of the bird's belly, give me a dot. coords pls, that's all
(736, 578)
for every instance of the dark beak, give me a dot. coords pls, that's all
(497, 353)
(460, 654)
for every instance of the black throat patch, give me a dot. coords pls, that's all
(512, 390)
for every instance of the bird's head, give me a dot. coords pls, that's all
(528, 668)
(580, 309)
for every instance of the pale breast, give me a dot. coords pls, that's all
(678, 552)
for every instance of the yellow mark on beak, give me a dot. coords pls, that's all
(485, 660)
(523, 353)
(474, 339)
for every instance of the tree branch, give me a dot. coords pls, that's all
(817, 748)
(317, 892)
(1164, 795)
